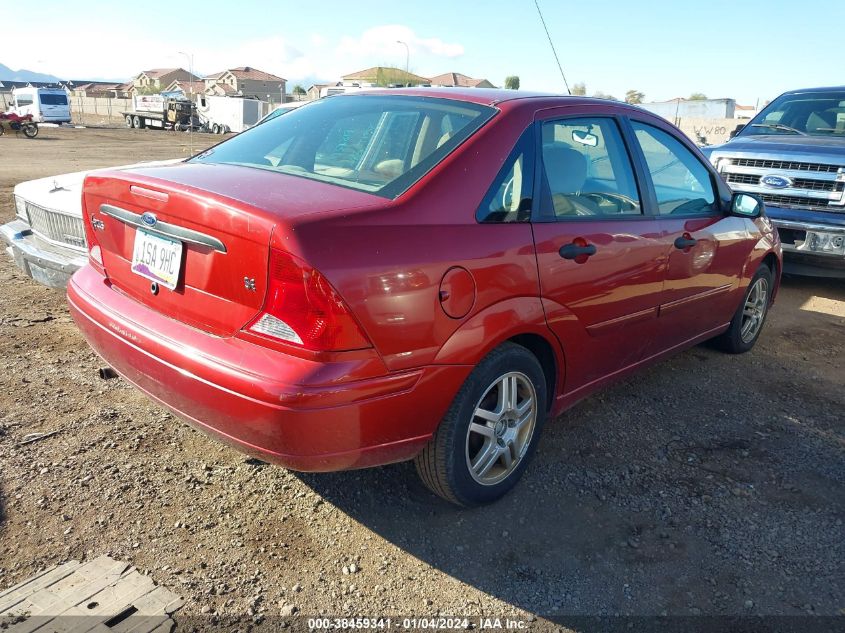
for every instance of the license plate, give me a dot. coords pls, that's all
(157, 258)
(817, 242)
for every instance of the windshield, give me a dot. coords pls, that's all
(809, 113)
(374, 143)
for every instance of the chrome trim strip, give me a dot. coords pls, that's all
(165, 229)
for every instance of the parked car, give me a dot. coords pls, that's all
(46, 238)
(423, 274)
(792, 155)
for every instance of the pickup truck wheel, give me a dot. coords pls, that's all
(129, 122)
(489, 434)
(747, 322)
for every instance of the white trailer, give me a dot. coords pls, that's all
(46, 105)
(229, 114)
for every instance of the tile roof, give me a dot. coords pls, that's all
(247, 72)
(456, 79)
(197, 87)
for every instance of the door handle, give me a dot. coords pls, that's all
(685, 241)
(574, 251)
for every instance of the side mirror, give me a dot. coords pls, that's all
(737, 130)
(744, 205)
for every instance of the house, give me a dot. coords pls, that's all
(315, 91)
(103, 89)
(246, 82)
(747, 112)
(459, 80)
(384, 76)
(157, 79)
(187, 88)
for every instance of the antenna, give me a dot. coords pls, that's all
(565, 83)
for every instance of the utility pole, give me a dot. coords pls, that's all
(407, 57)
(190, 59)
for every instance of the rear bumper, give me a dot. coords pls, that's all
(300, 413)
(46, 263)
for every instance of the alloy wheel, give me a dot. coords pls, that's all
(754, 310)
(501, 428)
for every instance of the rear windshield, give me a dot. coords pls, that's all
(53, 99)
(374, 143)
(808, 113)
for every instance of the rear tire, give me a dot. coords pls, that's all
(215, 129)
(129, 122)
(30, 130)
(487, 438)
(748, 321)
(137, 122)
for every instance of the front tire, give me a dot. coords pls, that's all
(747, 322)
(488, 436)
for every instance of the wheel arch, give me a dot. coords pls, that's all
(519, 320)
(544, 352)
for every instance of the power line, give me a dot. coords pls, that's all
(565, 83)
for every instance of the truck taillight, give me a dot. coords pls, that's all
(302, 308)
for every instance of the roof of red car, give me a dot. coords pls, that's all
(483, 96)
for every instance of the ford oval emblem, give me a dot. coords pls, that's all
(149, 218)
(776, 182)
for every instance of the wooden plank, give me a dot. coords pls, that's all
(11, 596)
(84, 598)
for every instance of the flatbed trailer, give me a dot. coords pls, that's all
(160, 111)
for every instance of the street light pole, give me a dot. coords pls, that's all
(190, 59)
(407, 56)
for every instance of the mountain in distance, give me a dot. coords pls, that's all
(7, 74)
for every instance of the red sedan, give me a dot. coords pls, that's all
(417, 274)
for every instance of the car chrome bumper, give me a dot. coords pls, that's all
(44, 262)
(300, 413)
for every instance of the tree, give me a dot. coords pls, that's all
(579, 89)
(604, 95)
(697, 96)
(634, 96)
(298, 90)
(512, 82)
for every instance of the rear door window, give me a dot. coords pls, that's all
(587, 170)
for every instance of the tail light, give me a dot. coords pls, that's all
(302, 308)
(95, 253)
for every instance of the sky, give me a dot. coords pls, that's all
(747, 50)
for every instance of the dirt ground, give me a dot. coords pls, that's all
(709, 484)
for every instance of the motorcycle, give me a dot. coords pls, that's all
(10, 121)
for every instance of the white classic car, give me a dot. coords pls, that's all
(46, 238)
